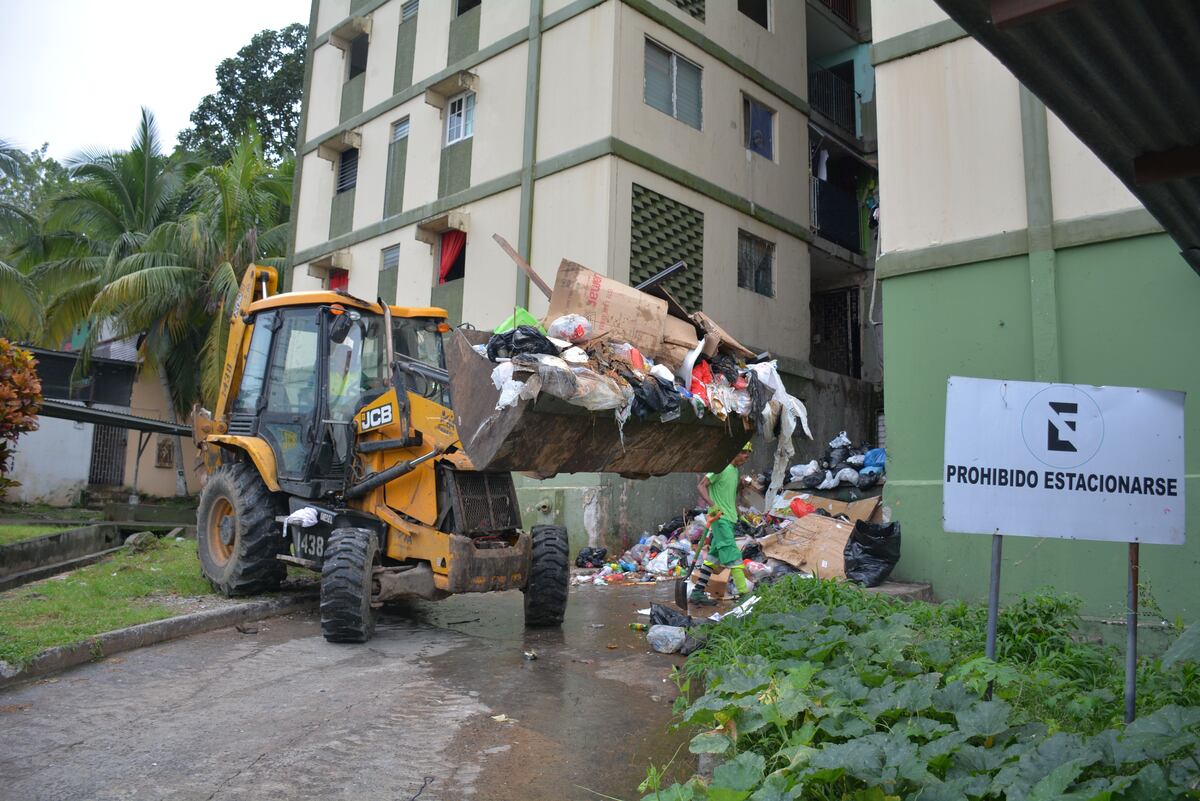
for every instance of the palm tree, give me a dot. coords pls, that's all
(20, 305)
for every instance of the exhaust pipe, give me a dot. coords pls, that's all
(391, 474)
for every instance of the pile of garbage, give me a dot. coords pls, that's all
(842, 465)
(668, 554)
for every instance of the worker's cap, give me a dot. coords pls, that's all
(748, 447)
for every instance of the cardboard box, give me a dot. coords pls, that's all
(864, 509)
(813, 544)
(622, 312)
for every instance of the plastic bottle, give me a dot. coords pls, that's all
(639, 627)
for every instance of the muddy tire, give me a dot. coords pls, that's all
(236, 537)
(549, 577)
(346, 585)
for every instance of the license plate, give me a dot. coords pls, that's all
(310, 545)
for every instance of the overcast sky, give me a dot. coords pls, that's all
(75, 73)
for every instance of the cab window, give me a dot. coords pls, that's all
(418, 339)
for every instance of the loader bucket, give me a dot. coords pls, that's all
(547, 435)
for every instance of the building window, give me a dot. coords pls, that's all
(347, 177)
(672, 84)
(463, 6)
(338, 280)
(756, 264)
(400, 130)
(758, 122)
(409, 10)
(358, 56)
(756, 10)
(453, 256)
(389, 271)
(460, 118)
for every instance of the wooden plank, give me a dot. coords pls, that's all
(524, 265)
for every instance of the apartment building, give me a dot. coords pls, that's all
(622, 134)
(1010, 251)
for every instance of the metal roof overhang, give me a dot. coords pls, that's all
(81, 413)
(1124, 77)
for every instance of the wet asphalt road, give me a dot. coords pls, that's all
(279, 713)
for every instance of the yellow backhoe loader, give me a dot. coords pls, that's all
(334, 445)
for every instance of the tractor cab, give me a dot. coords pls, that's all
(310, 368)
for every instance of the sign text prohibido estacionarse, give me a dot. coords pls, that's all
(1063, 460)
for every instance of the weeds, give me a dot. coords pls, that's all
(828, 692)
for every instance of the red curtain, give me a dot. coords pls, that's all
(339, 279)
(452, 244)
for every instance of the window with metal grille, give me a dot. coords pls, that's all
(347, 177)
(409, 10)
(758, 123)
(358, 55)
(673, 84)
(756, 264)
(460, 118)
(757, 10)
(836, 341)
(389, 271)
(464, 6)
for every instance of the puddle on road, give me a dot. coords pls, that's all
(592, 710)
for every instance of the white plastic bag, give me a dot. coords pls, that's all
(571, 327)
(510, 393)
(847, 475)
(575, 355)
(829, 483)
(598, 392)
(666, 639)
(502, 374)
(663, 373)
(857, 460)
(840, 441)
(799, 471)
(659, 564)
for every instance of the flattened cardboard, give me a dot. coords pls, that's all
(864, 509)
(813, 544)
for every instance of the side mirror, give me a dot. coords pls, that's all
(342, 323)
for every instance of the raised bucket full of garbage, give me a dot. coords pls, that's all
(614, 380)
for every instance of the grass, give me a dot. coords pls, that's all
(41, 511)
(109, 595)
(15, 533)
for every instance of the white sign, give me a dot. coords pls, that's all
(1063, 460)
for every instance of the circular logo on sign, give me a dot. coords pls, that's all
(1062, 426)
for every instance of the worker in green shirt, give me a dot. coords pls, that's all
(720, 492)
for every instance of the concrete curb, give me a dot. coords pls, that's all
(114, 642)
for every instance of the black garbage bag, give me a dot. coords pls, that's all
(760, 396)
(753, 550)
(591, 557)
(691, 644)
(522, 339)
(666, 616)
(726, 365)
(652, 397)
(871, 552)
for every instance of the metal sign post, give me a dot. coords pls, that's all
(1067, 461)
(1131, 621)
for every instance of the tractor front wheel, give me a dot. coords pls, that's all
(549, 577)
(235, 532)
(347, 584)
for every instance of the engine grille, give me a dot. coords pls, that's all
(485, 503)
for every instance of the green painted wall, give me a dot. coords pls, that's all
(341, 213)
(1126, 316)
(449, 296)
(406, 47)
(352, 96)
(464, 35)
(393, 193)
(454, 173)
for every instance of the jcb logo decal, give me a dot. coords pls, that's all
(376, 418)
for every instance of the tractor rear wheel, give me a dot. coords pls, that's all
(235, 532)
(347, 584)
(549, 577)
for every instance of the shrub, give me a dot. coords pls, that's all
(20, 395)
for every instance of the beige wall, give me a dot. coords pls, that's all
(313, 202)
(499, 115)
(148, 400)
(325, 99)
(780, 323)
(498, 20)
(433, 38)
(330, 13)
(950, 155)
(717, 152)
(576, 100)
(1081, 184)
(893, 17)
(381, 56)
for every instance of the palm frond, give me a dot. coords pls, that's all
(21, 315)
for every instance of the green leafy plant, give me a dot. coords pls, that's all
(829, 693)
(20, 395)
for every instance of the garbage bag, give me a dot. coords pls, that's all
(840, 441)
(660, 564)
(815, 480)
(519, 317)
(591, 557)
(876, 457)
(522, 339)
(753, 551)
(666, 616)
(801, 507)
(652, 398)
(571, 327)
(691, 644)
(829, 482)
(847, 475)
(871, 552)
(666, 639)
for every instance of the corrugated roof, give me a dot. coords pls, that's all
(1124, 77)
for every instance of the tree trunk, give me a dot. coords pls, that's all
(181, 488)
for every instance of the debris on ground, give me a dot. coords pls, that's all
(141, 541)
(666, 639)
